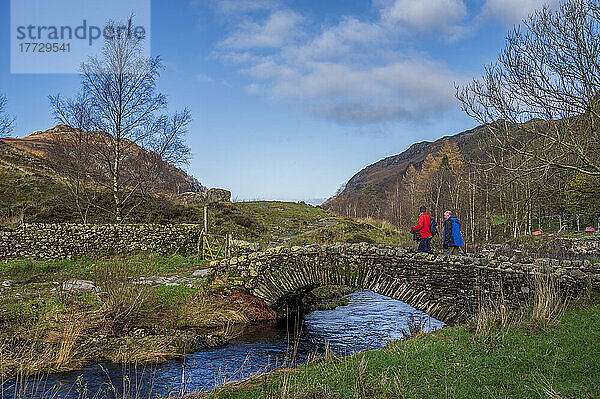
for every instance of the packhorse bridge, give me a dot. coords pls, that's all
(446, 288)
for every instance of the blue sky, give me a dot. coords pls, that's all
(291, 98)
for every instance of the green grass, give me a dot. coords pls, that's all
(265, 221)
(563, 361)
(34, 302)
(30, 312)
(142, 264)
(170, 302)
(34, 296)
(293, 216)
(298, 224)
(354, 231)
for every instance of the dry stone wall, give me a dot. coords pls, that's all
(581, 246)
(60, 241)
(447, 288)
(242, 248)
(66, 241)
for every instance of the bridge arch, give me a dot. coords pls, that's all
(446, 288)
(275, 289)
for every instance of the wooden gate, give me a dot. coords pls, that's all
(213, 247)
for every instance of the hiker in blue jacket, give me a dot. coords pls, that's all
(452, 239)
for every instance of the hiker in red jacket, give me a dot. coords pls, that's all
(423, 228)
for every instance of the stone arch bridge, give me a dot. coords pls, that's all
(446, 288)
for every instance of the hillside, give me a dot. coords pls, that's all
(384, 173)
(495, 194)
(31, 189)
(33, 153)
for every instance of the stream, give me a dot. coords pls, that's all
(367, 322)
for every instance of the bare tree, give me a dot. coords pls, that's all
(6, 121)
(72, 161)
(117, 112)
(541, 99)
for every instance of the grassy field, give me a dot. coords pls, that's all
(266, 222)
(43, 316)
(35, 306)
(522, 361)
(33, 287)
(298, 224)
(354, 231)
(39, 316)
(33, 292)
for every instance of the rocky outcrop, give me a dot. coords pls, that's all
(79, 286)
(218, 195)
(447, 288)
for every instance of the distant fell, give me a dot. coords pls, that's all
(33, 189)
(383, 174)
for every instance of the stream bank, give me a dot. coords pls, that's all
(368, 322)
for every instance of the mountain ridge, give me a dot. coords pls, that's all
(385, 172)
(33, 188)
(40, 143)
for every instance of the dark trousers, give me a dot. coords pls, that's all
(452, 250)
(425, 245)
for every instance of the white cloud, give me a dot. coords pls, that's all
(340, 40)
(280, 28)
(513, 11)
(349, 72)
(412, 90)
(426, 15)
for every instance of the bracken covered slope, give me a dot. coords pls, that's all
(30, 186)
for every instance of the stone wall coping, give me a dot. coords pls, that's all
(494, 262)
